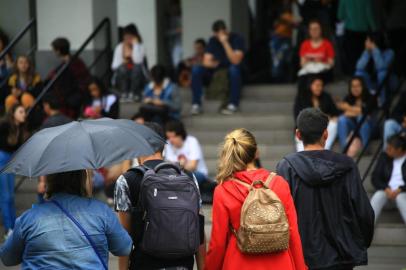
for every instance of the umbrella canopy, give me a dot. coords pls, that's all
(89, 144)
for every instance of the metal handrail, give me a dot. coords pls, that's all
(17, 38)
(365, 115)
(383, 117)
(105, 22)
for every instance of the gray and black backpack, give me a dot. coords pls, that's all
(170, 201)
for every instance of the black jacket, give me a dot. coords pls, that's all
(383, 172)
(335, 218)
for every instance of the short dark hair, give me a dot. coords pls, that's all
(201, 41)
(137, 116)
(52, 101)
(61, 45)
(132, 29)
(158, 130)
(177, 127)
(73, 182)
(158, 74)
(397, 141)
(218, 26)
(311, 123)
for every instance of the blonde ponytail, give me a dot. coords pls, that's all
(238, 150)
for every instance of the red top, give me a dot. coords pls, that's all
(223, 251)
(319, 54)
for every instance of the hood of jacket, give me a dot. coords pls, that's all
(239, 191)
(318, 171)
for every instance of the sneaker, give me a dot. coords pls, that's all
(229, 110)
(123, 97)
(130, 97)
(136, 98)
(196, 109)
(8, 234)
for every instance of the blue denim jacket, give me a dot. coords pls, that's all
(44, 238)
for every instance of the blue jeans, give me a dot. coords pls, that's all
(382, 61)
(391, 127)
(200, 72)
(200, 177)
(8, 210)
(347, 124)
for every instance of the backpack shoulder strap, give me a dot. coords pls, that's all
(269, 180)
(85, 233)
(241, 182)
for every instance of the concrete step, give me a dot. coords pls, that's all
(390, 234)
(216, 122)
(273, 137)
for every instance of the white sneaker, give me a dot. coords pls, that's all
(229, 110)
(196, 109)
(8, 234)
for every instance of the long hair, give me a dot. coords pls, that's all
(365, 96)
(102, 87)
(238, 150)
(16, 132)
(73, 182)
(29, 76)
(306, 94)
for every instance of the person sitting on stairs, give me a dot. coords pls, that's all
(389, 176)
(225, 50)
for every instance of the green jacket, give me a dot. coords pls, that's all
(358, 15)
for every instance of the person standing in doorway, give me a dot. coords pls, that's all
(336, 220)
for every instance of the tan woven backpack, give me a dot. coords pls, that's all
(264, 227)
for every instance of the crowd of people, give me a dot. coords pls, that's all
(308, 184)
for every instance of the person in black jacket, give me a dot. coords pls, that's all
(397, 121)
(316, 97)
(335, 218)
(389, 176)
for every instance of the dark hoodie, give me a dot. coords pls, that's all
(336, 220)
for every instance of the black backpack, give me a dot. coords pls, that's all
(169, 201)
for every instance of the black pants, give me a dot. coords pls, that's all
(397, 39)
(354, 45)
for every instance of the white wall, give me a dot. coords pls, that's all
(62, 18)
(143, 14)
(102, 9)
(198, 17)
(12, 24)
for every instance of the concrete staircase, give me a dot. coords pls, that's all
(266, 110)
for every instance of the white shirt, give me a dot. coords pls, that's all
(138, 55)
(396, 179)
(105, 102)
(191, 150)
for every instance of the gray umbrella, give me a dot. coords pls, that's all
(89, 144)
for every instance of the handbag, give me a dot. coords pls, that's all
(82, 230)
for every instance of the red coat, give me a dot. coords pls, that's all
(223, 251)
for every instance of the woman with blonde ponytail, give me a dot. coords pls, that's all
(237, 161)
